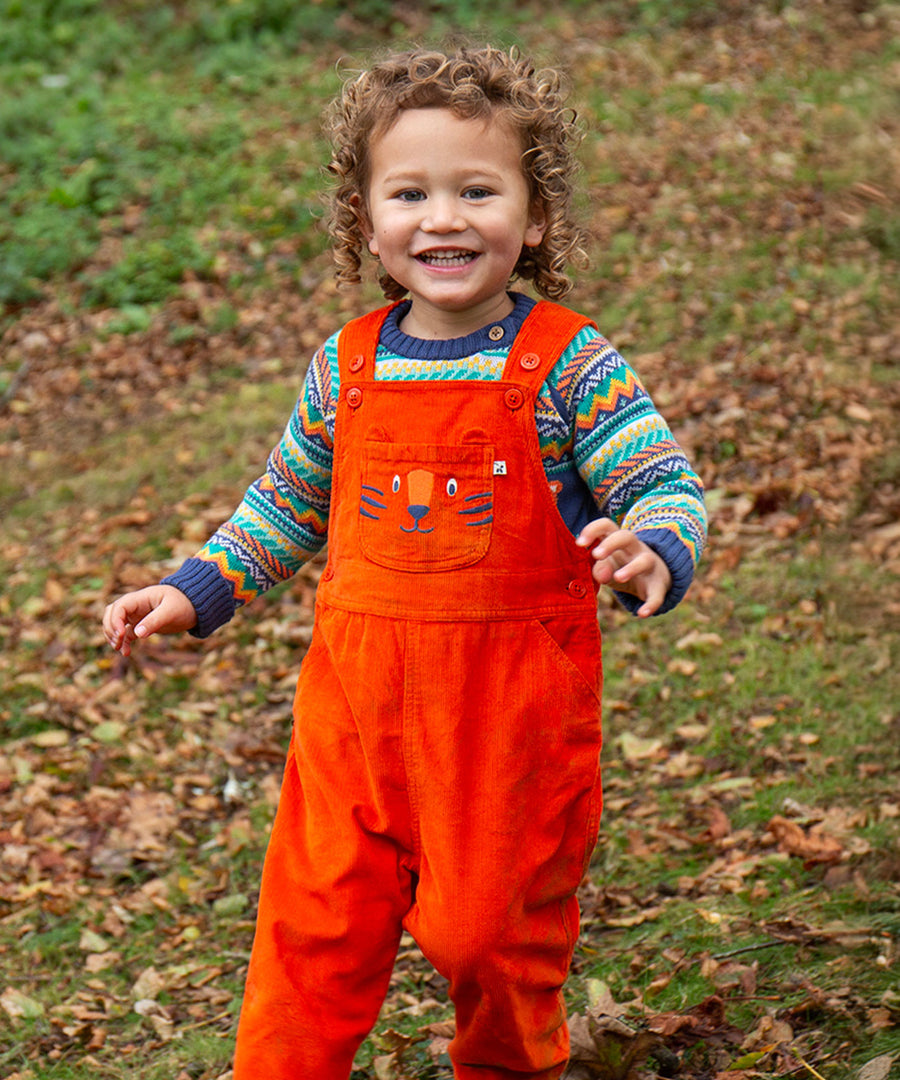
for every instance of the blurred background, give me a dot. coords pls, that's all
(164, 279)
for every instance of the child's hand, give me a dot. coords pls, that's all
(159, 609)
(627, 564)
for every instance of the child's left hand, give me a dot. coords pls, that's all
(625, 563)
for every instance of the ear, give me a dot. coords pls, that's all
(537, 225)
(365, 225)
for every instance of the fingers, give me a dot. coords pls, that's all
(639, 565)
(158, 609)
(618, 556)
(155, 621)
(119, 623)
(612, 539)
(135, 615)
(596, 530)
(656, 594)
(627, 564)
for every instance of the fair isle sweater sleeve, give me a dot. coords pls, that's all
(625, 453)
(282, 520)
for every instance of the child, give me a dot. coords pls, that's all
(480, 463)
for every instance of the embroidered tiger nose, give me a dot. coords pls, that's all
(419, 484)
(417, 512)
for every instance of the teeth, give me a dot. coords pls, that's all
(447, 258)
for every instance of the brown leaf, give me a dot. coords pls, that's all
(880, 1020)
(879, 1068)
(607, 1048)
(441, 1029)
(813, 847)
(98, 962)
(146, 822)
(148, 984)
(737, 976)
(636, 919)
(704, 1021)
(719, 825)
(769, 1033)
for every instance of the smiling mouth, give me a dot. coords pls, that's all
(448, 258)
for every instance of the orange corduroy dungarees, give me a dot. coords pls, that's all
(443, 773)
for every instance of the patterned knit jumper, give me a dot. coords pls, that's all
(606, 452)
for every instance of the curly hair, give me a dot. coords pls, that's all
(475, 83)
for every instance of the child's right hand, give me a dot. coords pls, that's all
(159, 609)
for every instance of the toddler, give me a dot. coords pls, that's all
(480, 463)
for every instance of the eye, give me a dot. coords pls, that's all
(478, 193)
(452, 486)
(411, 196)
(395, 486)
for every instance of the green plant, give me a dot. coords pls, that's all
(147, 273)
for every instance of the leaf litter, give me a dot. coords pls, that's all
(138, 795)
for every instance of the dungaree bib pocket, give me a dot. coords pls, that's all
(426, 507)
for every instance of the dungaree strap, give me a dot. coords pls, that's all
(547, 330)
(357, 343)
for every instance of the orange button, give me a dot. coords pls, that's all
(354, 397)
(514, 398)
(578, 589)
(357, 362)
(529, 360)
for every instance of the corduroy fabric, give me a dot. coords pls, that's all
(443, 773)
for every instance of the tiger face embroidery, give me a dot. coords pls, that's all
(420, 494)
(426, 507)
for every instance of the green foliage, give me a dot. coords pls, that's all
(133, 319)
(46, 35)
(882, 230)
(104, 108)
(664, 15)
(148, 271)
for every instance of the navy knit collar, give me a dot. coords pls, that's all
(412, 348)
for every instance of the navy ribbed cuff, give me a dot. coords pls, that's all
(208, 591)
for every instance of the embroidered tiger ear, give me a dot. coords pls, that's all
(477, 436)
(376, 433)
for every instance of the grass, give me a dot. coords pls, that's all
(160, 194)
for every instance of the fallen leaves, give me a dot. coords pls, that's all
(140, 793)
(608, 1044)
(144, 822)
(879, 1068)
(393, 1061)
(813, 846)
(608, 1048)
(19, 1006)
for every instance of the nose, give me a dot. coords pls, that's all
(417, 512)
(443, 216)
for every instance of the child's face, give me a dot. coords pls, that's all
(448, 212)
